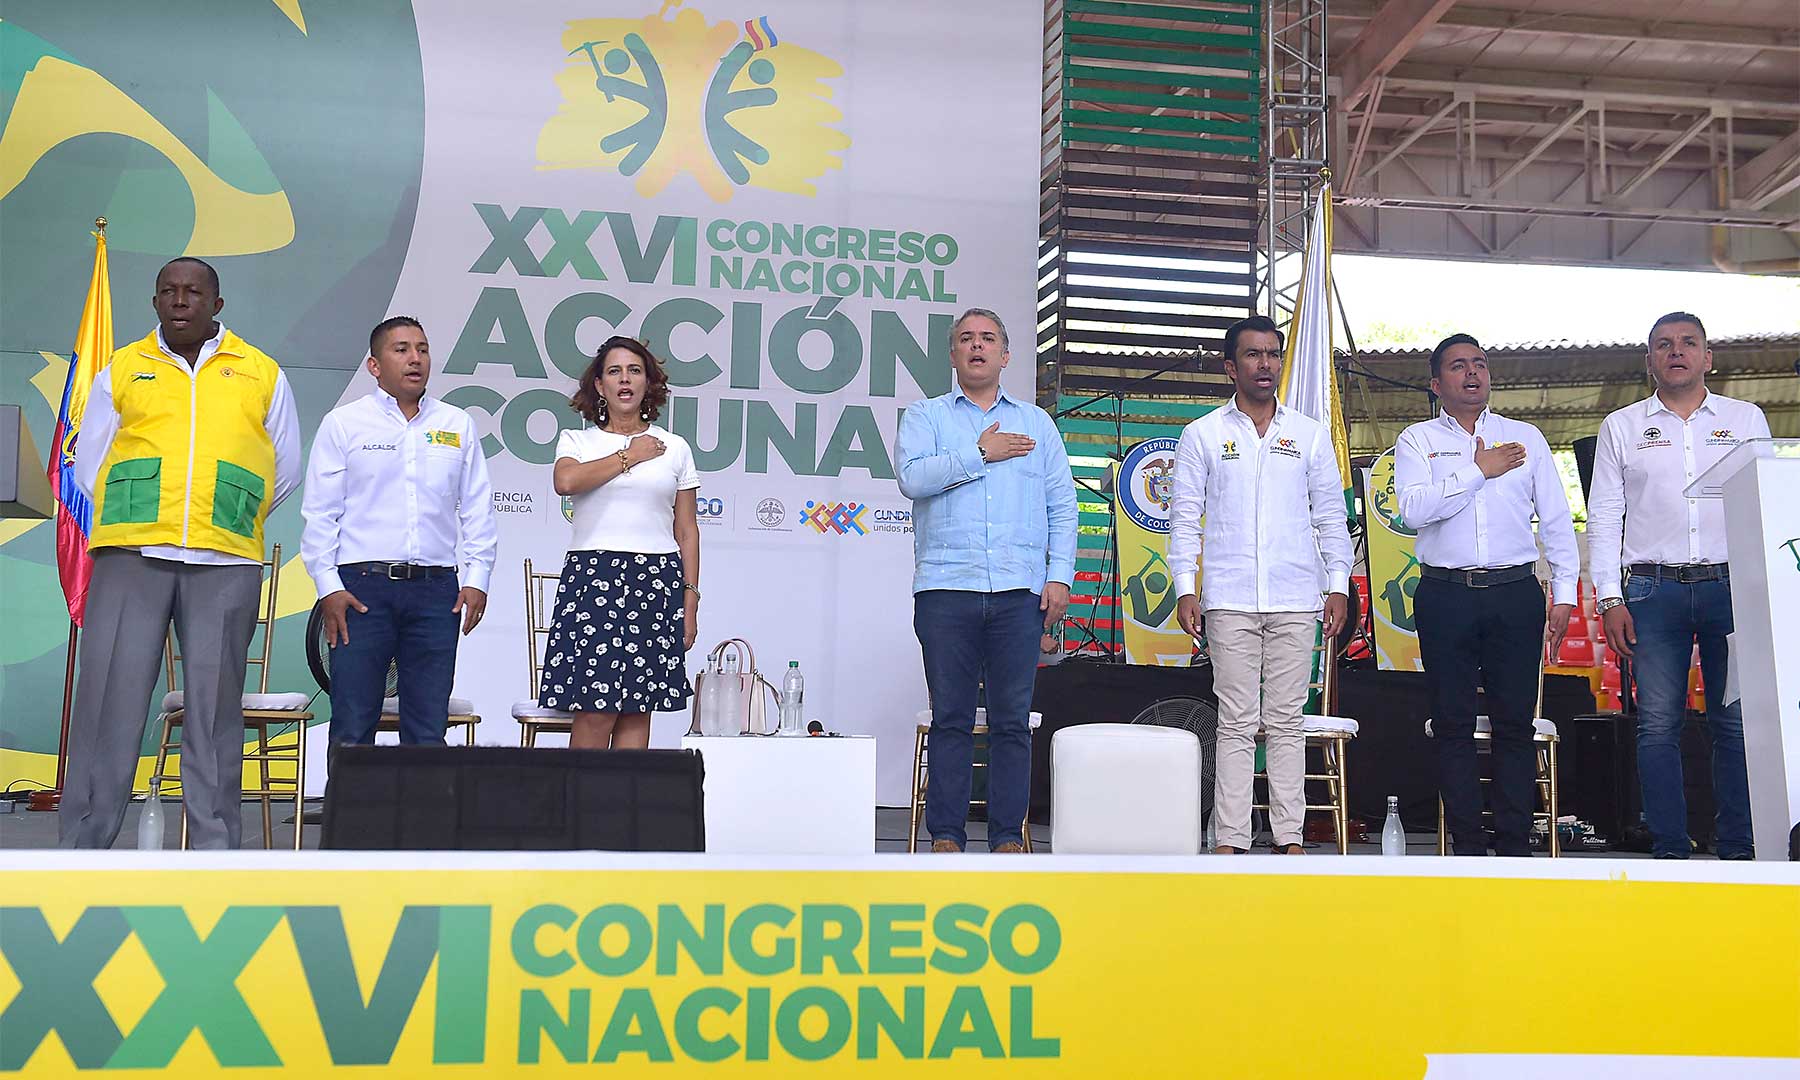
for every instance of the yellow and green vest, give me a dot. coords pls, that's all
(192, 464)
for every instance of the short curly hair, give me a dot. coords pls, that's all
(587, 400)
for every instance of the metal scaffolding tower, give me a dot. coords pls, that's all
(1295, 126)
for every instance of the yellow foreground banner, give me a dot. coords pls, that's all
(888, 966)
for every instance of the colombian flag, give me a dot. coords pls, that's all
(74, 513)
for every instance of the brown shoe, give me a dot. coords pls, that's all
(1010, 847)
(1289, 849)
(945, 846)
(1227, 849)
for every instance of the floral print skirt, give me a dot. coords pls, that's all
(616, 635)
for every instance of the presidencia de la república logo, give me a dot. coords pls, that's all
(732, 103)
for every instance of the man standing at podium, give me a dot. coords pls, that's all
(1470, 482)
(993, 557)
(1658, 563)
(1265, 479)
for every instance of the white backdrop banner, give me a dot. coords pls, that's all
(789, 203)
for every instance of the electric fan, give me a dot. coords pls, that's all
(1197, 716)
(318, 655)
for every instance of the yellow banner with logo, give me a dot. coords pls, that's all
(1393, 571)
(1143, 484)
(547, 965)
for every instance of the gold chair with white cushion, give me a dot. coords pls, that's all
(286, 714)
(1545, 740)
(922, 767)
(1331, 735)
(534, 719)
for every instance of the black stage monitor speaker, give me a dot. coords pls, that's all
(492, 798)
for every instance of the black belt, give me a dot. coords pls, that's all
(1480, 579)
(1686, 575)
(399, 571)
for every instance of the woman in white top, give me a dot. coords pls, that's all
(627, 606)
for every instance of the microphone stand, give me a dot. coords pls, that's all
(1116, 653)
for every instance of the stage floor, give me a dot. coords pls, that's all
(24, 829)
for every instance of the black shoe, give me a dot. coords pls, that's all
(1672, 855)
(1739, 856)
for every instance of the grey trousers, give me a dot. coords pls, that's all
(131, 600)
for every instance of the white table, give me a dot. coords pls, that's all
(781, 795)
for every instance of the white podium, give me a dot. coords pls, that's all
(778, 795)
(1760, 483)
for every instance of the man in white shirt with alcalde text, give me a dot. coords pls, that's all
(400, 538)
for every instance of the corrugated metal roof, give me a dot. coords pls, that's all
(1775, 338)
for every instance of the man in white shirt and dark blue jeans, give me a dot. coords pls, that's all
(1470, 481)
(400, 538)
(1265, 479)
(1658, 562)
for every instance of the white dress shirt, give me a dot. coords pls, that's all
(382, 488)
(100, 422)
(1273, 509)
(1645, 459)
(1466, 521)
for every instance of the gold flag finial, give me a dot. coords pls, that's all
(1325, 173)
(100, 223)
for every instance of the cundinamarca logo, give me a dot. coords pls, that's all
(704, 983)
(730, 105)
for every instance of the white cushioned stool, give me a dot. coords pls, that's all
(1125, 789)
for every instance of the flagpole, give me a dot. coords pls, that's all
(52, 799)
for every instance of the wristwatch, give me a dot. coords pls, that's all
(1608, 604)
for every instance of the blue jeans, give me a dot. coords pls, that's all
(409, 624)
(1669, 616)
(969, 638)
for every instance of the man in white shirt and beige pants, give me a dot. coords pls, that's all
(1470, 481)
(1658, 561)
(1265, 480)
(400, 539)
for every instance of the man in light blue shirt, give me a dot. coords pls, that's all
(993, 557)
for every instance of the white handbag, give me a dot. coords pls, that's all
(748, 694)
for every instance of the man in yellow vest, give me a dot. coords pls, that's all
(189, 440)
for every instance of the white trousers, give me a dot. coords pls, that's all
(1261, 665)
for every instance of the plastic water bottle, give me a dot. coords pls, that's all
(1393, 834)
(1210, 837)
(712, 698)
(150, 822)
(793, 692)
